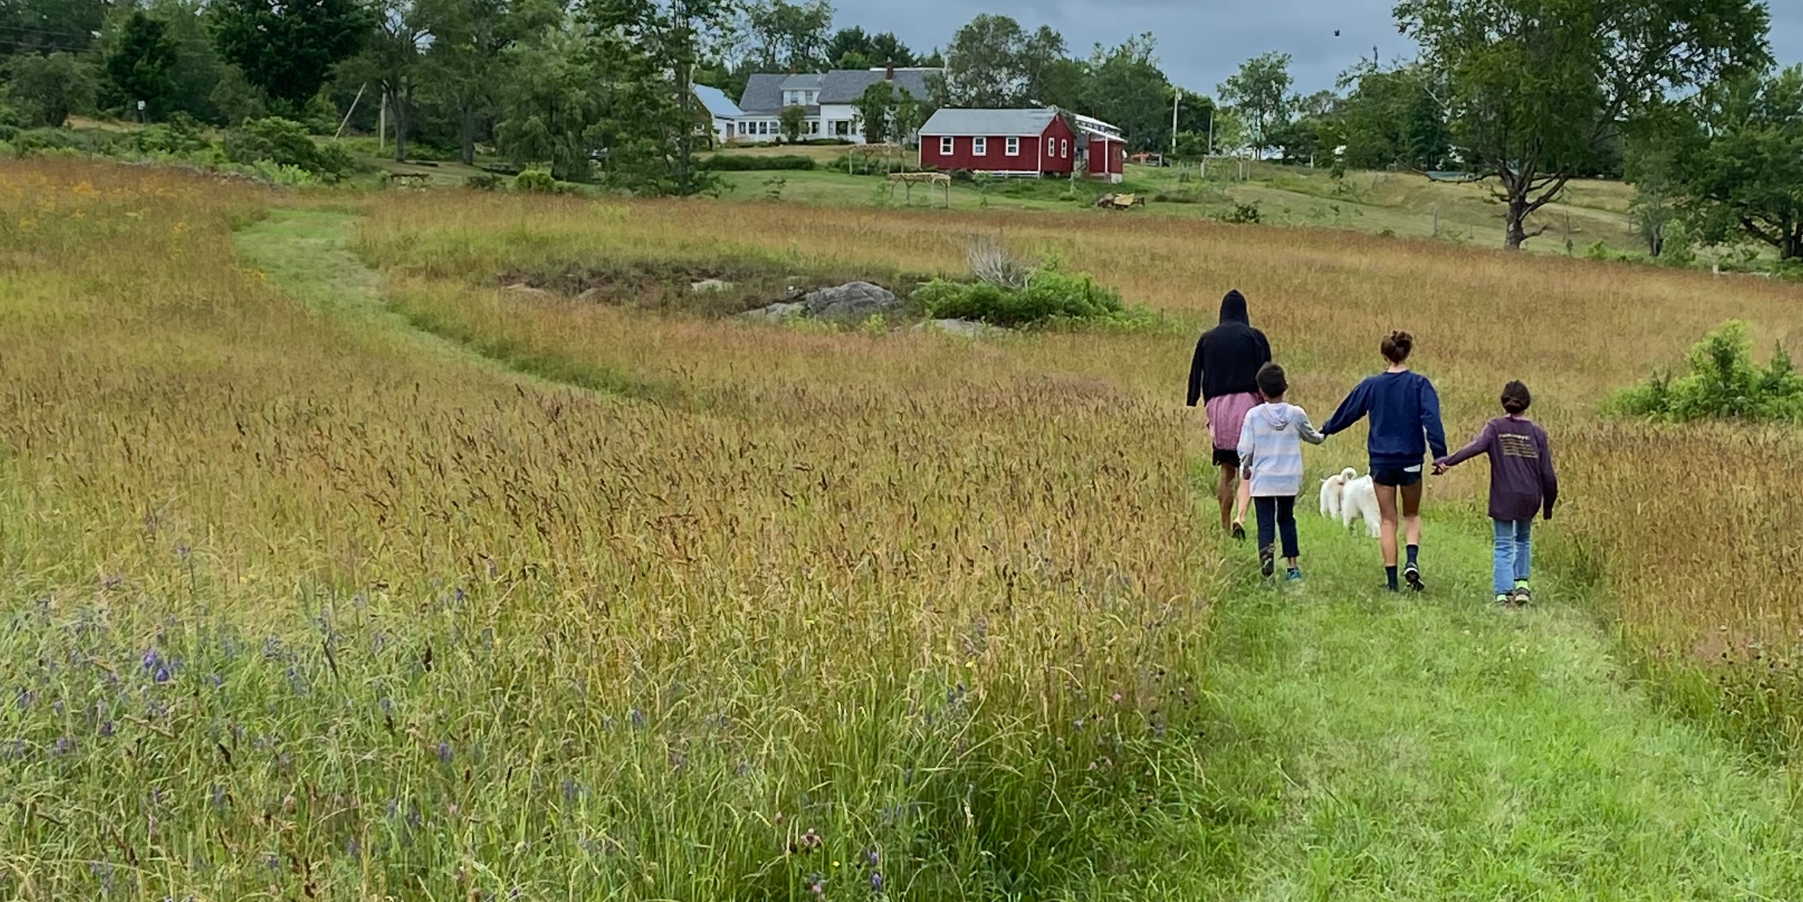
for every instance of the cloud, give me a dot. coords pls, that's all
(1199, 45)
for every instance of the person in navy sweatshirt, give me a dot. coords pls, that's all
(1405, 423)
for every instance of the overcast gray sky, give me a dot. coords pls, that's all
(1201, 43)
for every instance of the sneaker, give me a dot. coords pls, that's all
(1505, 599)
(1294, 576)
(1267, 563)
(1522, 595)
(1412, 575)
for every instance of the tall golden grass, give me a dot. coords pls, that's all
(1690, 531)
(876, 612)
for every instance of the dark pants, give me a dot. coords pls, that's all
(1274, 515)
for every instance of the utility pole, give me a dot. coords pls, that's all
(351, 112)
(382, 124)
(1176, 95)
(1209, 151)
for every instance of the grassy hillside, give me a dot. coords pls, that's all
(1392, 203)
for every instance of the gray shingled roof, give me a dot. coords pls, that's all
(847, 85)
(983, 123)
(764, 93)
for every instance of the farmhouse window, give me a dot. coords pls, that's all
(1064, 148)
(1013, 148)
(979, 147)
(945, 146)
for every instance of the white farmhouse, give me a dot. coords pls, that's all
(829, 99)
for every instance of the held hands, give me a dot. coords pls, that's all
(1440, 468)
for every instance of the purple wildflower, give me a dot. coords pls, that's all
(571, 789)
(352, 850)
(163, 675)
(876, 882)
(152, 659)
(219, 797)
(637, 717)
(65, 745)
(107, 729)
(444, 753)
(872, 857)
(27, 698)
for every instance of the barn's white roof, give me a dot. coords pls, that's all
(987, 123)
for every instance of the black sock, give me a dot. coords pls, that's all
(1390, 574)
(1414, 550)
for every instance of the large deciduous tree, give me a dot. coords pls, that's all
(463, 66)
(1260, 92)
(852, 48)
(994, 62)
(554, 104)
(391, 57)
(652, 48)
(47, 89)
(289, 47)
(1126, 88)
(1539, 90)
(875, 109)
(1392, 120)
(1742, 170)
(791, 35)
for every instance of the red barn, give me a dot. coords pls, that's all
(1003, 142)
(1107, 157)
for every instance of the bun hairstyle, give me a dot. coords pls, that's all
(1515, 397)
(1397, 346)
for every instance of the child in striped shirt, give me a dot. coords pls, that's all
(1271, 462)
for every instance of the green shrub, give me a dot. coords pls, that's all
(737, 163)
(486, 181)
(1244, 214)
(535, 181)
(1050, 295)
(285, 143)
(1723, 384)
(180, 135)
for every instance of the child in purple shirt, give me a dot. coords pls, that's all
(1522, 484)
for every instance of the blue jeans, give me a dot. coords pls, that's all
(1513, 555)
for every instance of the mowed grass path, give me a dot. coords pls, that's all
(1384, 747)
(1437, 747)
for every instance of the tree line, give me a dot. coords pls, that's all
(1681, 97)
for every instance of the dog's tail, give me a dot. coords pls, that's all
(1349, 474)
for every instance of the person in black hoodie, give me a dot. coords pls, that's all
(1224, 377)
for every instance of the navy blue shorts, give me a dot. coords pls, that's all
(1396, 477)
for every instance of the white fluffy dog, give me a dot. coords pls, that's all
(1346, 496)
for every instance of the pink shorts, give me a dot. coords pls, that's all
(1226, 414)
